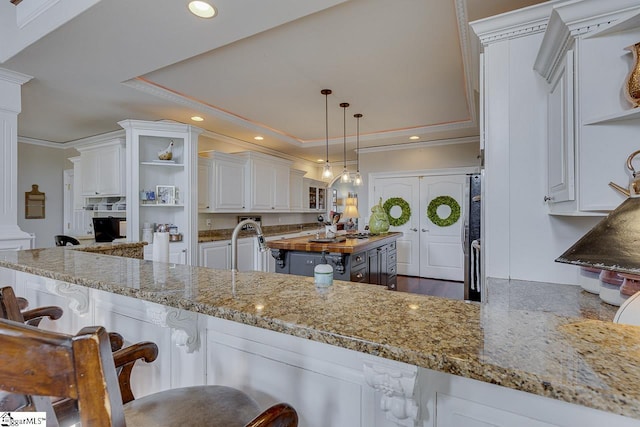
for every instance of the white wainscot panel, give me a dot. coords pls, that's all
(72, 299)
(180, 361)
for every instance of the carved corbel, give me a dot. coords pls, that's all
(338, 261)
(77, 296)
(279, 256)
(183, 324)
(397, 386)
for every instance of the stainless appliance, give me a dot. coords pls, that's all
(471, 240)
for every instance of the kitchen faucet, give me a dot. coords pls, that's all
(262, 245)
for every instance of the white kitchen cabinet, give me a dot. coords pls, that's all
(223, 183)
(560, 135)
(205, 179)
(218, 254)
(296, 190)
(103, 169)
(267, 183)
(315, 197)
(591, 127)
(177, 177)
(177, 253)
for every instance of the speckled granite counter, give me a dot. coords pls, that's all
(513, 340)
(122, 249)
(267, 230)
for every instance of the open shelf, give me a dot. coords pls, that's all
(164, 165)
(616, 117)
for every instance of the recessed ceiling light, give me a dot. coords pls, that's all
(258, 138)
(202, 9)
(197, 119)
(414, 137)
(320, 160)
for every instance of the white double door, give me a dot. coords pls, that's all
(426, 249)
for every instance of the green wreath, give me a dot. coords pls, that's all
(432, 211)
(403, 205)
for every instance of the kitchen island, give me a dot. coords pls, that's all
(354, 354)
(366, 259)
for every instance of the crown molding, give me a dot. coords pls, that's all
(555, 44)
(510, 25)
(469, 54)
(151, 88)
(253, 147)
(90, 142)
(14, 77)
(421, 144)
(41, 143)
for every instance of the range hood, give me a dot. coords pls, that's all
(614, 243)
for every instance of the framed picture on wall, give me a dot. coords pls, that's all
(165, 194)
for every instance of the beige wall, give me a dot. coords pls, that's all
(42, 166)
(416, 159)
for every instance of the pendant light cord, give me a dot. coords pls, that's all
(326, 123)
(358, 142)
(344, 133)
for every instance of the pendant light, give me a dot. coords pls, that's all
(327, 173)
(357, 179)
(344, 178)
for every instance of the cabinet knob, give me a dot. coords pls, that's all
(547, 198)
(359, 276)
(358, 258)
(424, 230)
(413, 229)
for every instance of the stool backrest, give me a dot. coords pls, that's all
(62, 240)
(41, 363)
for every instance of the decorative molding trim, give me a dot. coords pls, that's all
(158, 91)
(151, 88)
(184, 324)
(159, 125)
(42, 143)
(519, 23)
(421, 144)
(397, 386)
(253, 147)
(185, 329)
(555, 44)
(78, 296)
(29, 11)
(14, 76)
(470, 65)
(89, 142)
(424, 172)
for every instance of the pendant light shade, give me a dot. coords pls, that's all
(327, 173)
(357, 179)
(344, 178)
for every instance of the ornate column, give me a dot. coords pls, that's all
(11, 236)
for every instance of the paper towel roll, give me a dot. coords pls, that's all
(161, 247)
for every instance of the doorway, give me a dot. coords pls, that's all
(427, 249)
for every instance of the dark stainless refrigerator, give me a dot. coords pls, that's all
(471, 241)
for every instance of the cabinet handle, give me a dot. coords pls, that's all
(424, 230)
(547, 198)
(359, 276)
(413, 229)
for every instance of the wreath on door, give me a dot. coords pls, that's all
(432, 211)
(404, 208)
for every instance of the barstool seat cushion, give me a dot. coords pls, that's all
(212, 406)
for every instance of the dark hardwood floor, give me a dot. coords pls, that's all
(434, 287)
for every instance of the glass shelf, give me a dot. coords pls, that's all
(158, 205)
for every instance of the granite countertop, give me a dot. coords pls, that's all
(542, 339)
(267, 230)
(348, 246)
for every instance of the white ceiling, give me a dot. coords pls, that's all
(257, 69)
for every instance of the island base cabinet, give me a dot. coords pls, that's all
(323, 394)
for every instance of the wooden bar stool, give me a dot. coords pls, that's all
(82, 368)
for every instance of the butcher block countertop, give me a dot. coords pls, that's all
(541, 339)
(348, 246)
